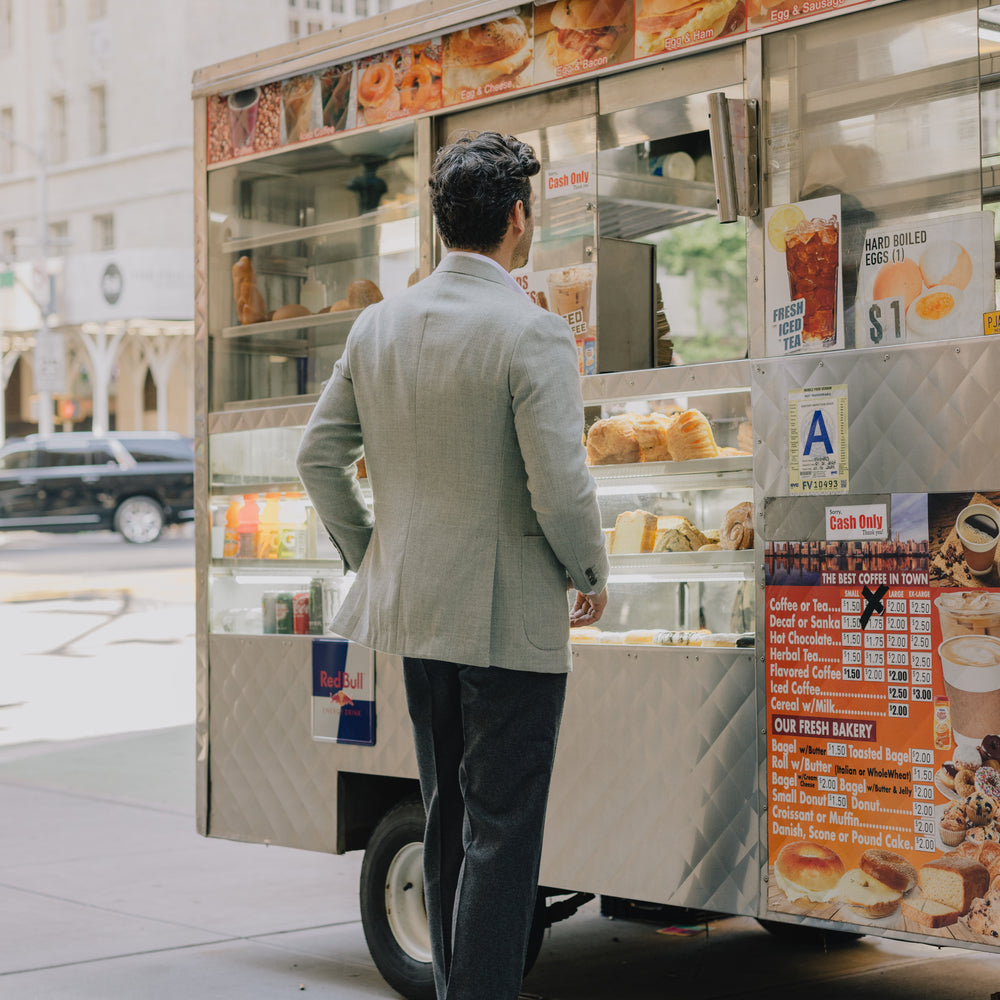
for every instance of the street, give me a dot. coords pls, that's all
(106, 885)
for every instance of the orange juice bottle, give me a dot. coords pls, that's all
(231, 538)
(247, 523)
(269, 528)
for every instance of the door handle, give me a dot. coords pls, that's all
(90, 479)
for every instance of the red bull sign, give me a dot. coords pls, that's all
(343, 692)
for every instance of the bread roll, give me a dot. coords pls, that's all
(486, 43)
(805, 870)
(737, 527)
(291, 311)
(690, 436)
(613, 441)
(250, 305)
(362, 293)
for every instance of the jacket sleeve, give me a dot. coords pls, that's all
(548, 418)
(326, 461)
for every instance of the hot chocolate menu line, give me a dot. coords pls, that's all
(850, 716)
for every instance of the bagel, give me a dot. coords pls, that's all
(805, 870)
(890, 868)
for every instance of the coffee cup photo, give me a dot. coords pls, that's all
(978, 530)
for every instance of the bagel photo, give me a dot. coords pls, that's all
(665, 25)
(573, 36)
(404, 81)
(486, 59)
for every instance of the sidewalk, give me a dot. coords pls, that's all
(108, 893)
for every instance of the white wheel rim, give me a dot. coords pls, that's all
(404, 902)
(140, 521)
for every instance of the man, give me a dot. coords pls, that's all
(465, 398)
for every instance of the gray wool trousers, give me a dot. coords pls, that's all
(485, 741)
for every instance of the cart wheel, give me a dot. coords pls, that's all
(139, 519)
(392, 904)
(392, 901)
(804, 936)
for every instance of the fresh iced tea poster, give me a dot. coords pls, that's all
(803, 290)
(925, 280)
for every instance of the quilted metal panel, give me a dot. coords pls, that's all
(270, 781)
(923, 419)
(654, 791)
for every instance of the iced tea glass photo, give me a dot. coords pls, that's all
(812, 257)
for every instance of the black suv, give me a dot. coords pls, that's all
(133, 483)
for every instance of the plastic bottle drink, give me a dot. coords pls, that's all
(293, 518)
(248, 521)
(268, 529)
(231, 538)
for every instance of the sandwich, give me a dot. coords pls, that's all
(664, 25)
(584, 31)
(486, 59)
(765, 11)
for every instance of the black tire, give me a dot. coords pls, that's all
(810, 938)
(392, 900)
(139, 520)
(392, 904)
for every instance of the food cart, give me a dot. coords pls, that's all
(769, 226)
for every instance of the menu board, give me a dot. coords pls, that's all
(524, 47)
(883, 717)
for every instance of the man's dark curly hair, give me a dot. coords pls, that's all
(475, 184)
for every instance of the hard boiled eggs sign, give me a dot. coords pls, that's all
(925, 281)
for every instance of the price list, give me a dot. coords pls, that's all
(850, 682)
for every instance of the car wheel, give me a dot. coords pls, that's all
(139, 520)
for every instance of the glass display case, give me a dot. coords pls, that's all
(300, 241)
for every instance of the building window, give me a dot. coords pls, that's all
(6, 24)
(57, 129)
(337, 6)
(98, 121)
(58, 239)
(10, 244)
(57, 15)
(97, 9)
(361, 8)
(312, 4)
(291, 3)
(384, 6)
(104, 232)
(293, 29)
(6, 140)
(313, 26)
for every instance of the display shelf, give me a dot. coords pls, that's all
(727, 471)
(667, 567)
(344, 319)
(272, 567)
(223, 489)
(269, 236)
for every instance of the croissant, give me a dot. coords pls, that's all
(250, 304)
(690, 436)
(737, 527)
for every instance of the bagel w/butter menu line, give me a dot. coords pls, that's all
(487, 59)
(883, 723)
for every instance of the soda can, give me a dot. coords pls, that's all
(317, 616)
(268, 610)
(283, 613)
(300, 612)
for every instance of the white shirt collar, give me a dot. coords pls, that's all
(479, 256)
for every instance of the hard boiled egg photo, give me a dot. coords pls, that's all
(935, 315)
(898, 280)
(945, 262)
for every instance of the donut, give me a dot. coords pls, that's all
(889, 868)
(965, 783)
(987, 781)
(377, 83)
(416, 88)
